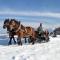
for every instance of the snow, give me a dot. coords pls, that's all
(38, 51)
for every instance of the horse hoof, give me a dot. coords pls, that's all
(20, 44)
(9, 44)
(33, 43)
(15, 43)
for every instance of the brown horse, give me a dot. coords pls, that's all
(22, 31)
(11, 32)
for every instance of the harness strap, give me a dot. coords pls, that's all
(25, 30)
(18, 29)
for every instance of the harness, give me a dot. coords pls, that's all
(19, 28)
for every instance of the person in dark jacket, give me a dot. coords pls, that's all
(40, 29)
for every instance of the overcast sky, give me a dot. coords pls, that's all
(45, 11)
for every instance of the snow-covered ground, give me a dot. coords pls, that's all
(43, 51)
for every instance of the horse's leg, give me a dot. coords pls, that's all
(29, 39)
(14, 40)
(9, 43)
(33, 40)
(25, 40)
(19, 41)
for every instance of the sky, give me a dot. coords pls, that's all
(45, 11)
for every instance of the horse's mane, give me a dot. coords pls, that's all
(6, 20)
(22, 27)
(18, 22)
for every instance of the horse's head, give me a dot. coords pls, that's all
(6, 23)
(14, 24)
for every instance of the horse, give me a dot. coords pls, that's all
(22, 31)
(11, 32)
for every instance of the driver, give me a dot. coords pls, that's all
(40, 29)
